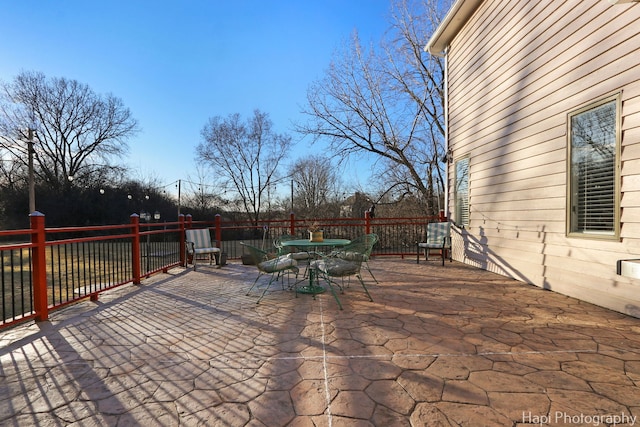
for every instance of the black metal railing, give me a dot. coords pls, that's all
(46, 268)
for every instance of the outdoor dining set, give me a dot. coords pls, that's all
(330, 261)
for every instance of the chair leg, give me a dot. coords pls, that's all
(306, 269)
(271, 280)
(366, 264)
(365, 288)
(333, 291)
(254, 284)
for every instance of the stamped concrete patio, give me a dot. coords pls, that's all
(439, 346)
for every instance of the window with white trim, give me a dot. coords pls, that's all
(593, 180)
(461, 192)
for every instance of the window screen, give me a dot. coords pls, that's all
(462, 192)
(593, 157)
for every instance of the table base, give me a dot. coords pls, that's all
(311, 289)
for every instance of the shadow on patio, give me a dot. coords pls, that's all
(439, 346)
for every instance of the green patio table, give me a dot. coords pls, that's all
(307, 244)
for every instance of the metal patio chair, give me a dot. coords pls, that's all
(269, 264)
(342, 263)
(293, 252)
(369, 240)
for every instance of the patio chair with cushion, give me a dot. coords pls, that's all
(269, 264)
(342, 263)
(291, 251)
(369, 240)
(438, 237)
(198, 242)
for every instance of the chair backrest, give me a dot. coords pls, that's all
(369, 241)
(200, 238)
(258, 255)
(283, 238)
(292, 251)
(345, 261)
(268, 263)
(354, 251)
(438, 231)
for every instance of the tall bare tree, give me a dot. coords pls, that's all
(388, 101)
(245, 155)
(77, 132)
(316, 186)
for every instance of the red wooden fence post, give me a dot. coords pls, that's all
(442, 217)
(218, 224)
(182, 247)
(292, 226)
(135, 248)
(367, 223)
(39, 267)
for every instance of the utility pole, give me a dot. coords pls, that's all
(32, 184)
(179, 189)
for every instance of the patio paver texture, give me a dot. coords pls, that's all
(439, 346)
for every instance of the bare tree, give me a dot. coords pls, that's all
(77, 132)
(388, 101)
(316, 186)
(201, 195)
(245, 156)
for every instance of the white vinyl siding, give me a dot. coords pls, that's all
(516, 71)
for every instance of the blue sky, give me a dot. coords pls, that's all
(177, 63)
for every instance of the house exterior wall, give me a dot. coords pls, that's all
(515, 71)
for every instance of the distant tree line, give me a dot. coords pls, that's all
(68, 141)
